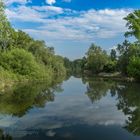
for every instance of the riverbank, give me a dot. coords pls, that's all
(9, 80)
(116, 76)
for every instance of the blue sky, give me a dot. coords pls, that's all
(70, 26)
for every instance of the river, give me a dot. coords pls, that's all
(77, 109)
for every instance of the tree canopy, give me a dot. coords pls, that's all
(133, 24)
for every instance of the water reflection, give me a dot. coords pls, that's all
(128, 99)
(129, 103)
(4, 136)
(98, 88)
(36, 110)
(23, 96)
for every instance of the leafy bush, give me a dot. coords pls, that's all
(96, 59)
(110, 66)
(7, 75)
(20, 62)
(134, 67)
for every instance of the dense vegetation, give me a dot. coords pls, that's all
(124, 60)
(22, 57)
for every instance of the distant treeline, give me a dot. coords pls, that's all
(125, 58)
(22, 57)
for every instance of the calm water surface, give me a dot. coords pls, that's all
(77, 109)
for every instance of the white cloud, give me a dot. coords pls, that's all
(24, 13)
(58, 10)
(50, 2)
(89, 25)
(9, 2)
(73, 25)
(33, 14)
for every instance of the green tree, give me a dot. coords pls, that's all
(5, 29)
(22, 55)
(133, 24)
(96, 59)
(126, 51)
(134, 67)
(123, 50)
(113, 55)
(21, 40)
(68, 65)
(111, 66)
(19, 61)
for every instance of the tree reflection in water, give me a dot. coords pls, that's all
(4, 136)
(98, 88)
(128, 98)
(24, 96)
(129, 103)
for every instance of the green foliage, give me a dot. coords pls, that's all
(123, 60)
(75, 67)
(22, 63)
(21, 40)
(127, 50)
(96, 59)
(67, 64)
(113, 55)
(130, 58)
(111, 66)
(133, 24)
(6, 75)
(19, 61)
(134, 67)
(5, 29)
(22, 57)
(46, 57)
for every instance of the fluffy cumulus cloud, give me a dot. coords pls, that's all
(56, 23)
(50, 2)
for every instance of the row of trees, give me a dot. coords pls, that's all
(124, 59)
(23, 57)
